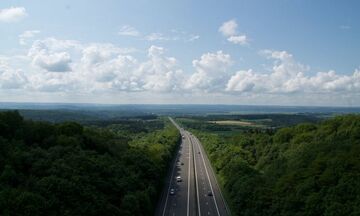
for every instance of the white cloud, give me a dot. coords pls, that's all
(53, 62)
(229, 28)
(284, 70)
(27, 35)
(89, 67)
(105, 64)
(124, 73)
(239, 39)
(106, 69)
(194, 38)
(288, 76)
(52, 55)
(127, 30)
(243, 81)
(11, 78)
(55, 45)
(13, 14)
(103, 68)
(173, 35)
(98, 52)
(155, 51)
(57, 82)
(211, 72)
(159, 37)
(160, 72)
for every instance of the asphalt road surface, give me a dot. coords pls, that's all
(197, 193)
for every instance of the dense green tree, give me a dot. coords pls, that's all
(70, 169)
(307, 169)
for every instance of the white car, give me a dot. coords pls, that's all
(172, 191)
(178, 179)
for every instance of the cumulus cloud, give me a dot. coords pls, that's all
(211, 71)
(243, 81)
(100, 67)
(57, 82)
(12, 14)
(289, 76)
(105, 65)
(50, 54)
(127, 30)
(55, 45)
(119, 73)
(53, 62)
(11, 78)
(26, 35)
(229, 30)
(67, 66)
(240, 39)
(160, 72)
(98, 52)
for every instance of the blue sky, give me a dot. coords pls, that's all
(241, 52)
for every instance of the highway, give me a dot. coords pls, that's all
(198, 192)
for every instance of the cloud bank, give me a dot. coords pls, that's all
(71, 66)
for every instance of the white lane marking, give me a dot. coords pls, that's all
(211, 188)
(188, 197)
(196, 179)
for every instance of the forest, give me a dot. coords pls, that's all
(310, 169)
(71, 169)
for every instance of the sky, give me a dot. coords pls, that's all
(248, 52)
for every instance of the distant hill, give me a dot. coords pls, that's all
(177, 109)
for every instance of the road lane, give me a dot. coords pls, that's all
(178, 202)
(182, 202)
(207, 204)
(217, 199)
(198, 179)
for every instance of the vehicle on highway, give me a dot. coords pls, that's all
(210, 193)
(183, 137)
(172, 191)
(178, 179)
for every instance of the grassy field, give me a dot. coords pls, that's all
(238, 122)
